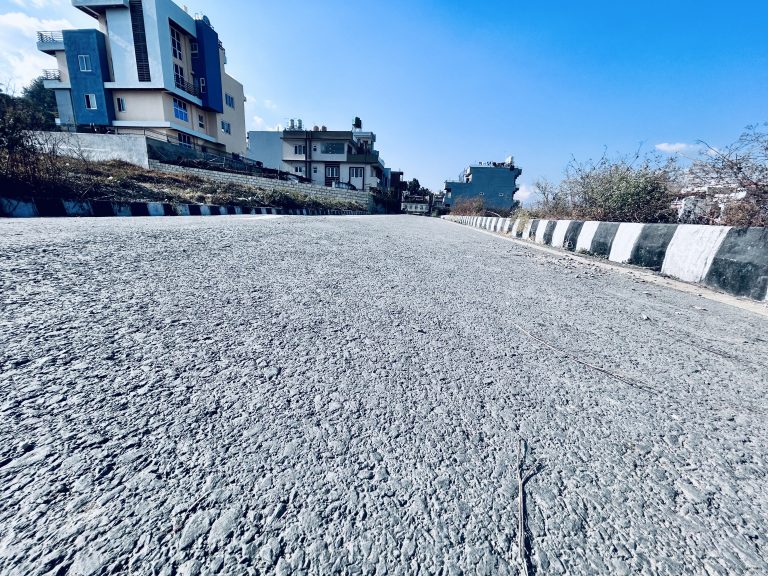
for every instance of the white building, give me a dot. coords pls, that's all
(324, 157)
(150, 67)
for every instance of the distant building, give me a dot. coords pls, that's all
(418, 204)
(149, 68)
(343, 158)
(494, 183)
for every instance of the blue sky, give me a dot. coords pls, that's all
(444, 84)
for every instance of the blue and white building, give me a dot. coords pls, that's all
(150, 66)
(493, 183)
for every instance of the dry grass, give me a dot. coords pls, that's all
(120, 181)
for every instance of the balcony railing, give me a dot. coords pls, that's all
(54, 74)
(370, 157)
(50, 37)
(188, 87)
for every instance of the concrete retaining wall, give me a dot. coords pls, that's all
(360, 197)
(129, 148)
(734, 260)
(42, 207)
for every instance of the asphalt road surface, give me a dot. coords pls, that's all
(238, 395)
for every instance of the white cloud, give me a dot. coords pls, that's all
(37, 3)
(20, 61)
(269, 105)
(257, 122)
(525, 193)
(676, 148)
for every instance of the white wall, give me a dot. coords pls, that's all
(98, 147)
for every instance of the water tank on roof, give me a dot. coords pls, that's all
(300, 124)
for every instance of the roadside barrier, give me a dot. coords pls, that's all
(56, 207)
(734, 260)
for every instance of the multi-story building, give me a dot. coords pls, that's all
(325, 157)
(150, 66)
(493, 183)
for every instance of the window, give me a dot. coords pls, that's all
(201, 121)
(90, 101)
(299, 169)
(481, 193)
(230, 100)
(194, 49)
(299, 149)
(314, 169)
(226, 127)
(331, 171)
(85, 62)
(176, 44)
(356, 172)
(178, 73)
(185, 140)
(202, 85)
(332, 148)
(120, 104)
(180, 110)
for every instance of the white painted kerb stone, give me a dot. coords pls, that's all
(692, 250)
(624, 242)
(558, 236)
(584, 242)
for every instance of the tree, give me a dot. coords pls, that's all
(738, 168)
(42, 101)
(414, 186)
(634, 189)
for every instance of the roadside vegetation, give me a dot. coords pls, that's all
(32, 166)
(727, 186)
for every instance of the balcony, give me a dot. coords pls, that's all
(54, 74)
(370, 157)
(187, 87)
(50, 42)
(94, 7)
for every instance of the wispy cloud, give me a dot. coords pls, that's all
(269, 105)
(676, 148)
(37, 3)
(525, 193)
(20, 62)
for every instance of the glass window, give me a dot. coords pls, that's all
(226, 127)
(84, 60)
(90, 101)
(299, 149)
(176, 44)
(332, 148)
(185, 140)
(356, 172)
(180, 110)
(331, 171)
(230, 100)
(193, 48)
(201, 121)
(120, 104)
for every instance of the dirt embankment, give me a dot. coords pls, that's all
(119, 181)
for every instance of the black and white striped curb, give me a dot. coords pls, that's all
(731, 259)
(42, 207)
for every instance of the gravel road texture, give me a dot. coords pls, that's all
(242, 395)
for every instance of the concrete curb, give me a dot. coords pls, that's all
(56, 207)
(733, 260)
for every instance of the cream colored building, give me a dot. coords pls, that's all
(149, 68)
